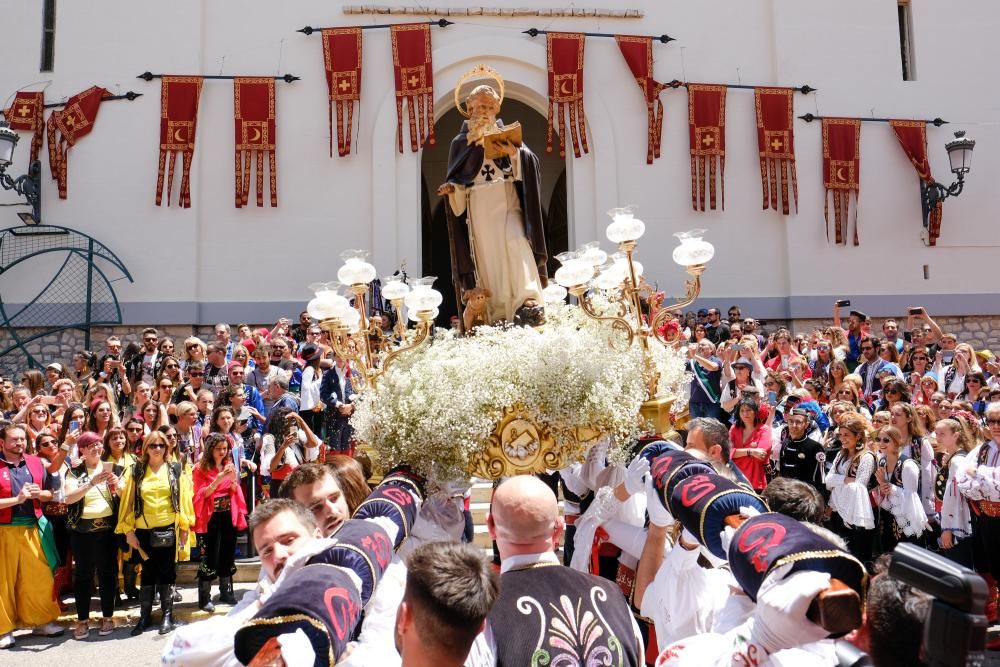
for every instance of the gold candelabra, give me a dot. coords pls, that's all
(589, 268)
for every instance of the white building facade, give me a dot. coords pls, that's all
(214, 262)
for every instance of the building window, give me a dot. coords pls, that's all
(48, 34)
(904, 13)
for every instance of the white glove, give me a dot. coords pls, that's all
(658, 514)
(583, 543)
(779, 620)
(596, 462)
(626, 537)
(635, 475)
(572, 479)
(296, 649)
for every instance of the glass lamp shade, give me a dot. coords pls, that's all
(8, 140)
(592, 253)
(621, 264)
(327, 304)
(356, 271)
(693, 250)
(352, 320)
(959, 153)
(574, 271)
(612, 275)
(625, 226)
(554, 293)
(393, 288)
(423, 296)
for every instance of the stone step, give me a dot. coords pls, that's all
(247, 571)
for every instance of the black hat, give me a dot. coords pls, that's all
(858, 314)
(311, 352)
(742, 362)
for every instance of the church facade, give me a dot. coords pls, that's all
(215, 262)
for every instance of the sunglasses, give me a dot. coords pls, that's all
(48, 443)
(39, 412)
(197, 374)
(892, 391)
(865, 348)
(973, 381)
(172, 366)
(149, 340)
(135, 429)
(993, 422)
(918, 358)
(157, 445)
(166, 386)
(888, 441)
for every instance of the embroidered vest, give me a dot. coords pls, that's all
(82, 477)
(173, 478)
(537, 605)
(37, 472)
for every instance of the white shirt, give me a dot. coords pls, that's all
(309, 391)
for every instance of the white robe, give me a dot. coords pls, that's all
(504, 262)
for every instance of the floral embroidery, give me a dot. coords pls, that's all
(573, 634)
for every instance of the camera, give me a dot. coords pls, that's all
(955, 628)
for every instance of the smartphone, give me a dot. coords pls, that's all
(293, 429)
(844, 303)
(738, 347)
(915, 311)
(772, 398)
(74, 425)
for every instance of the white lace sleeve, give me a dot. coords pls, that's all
(905, 504)
(983, 484)
(955, 513)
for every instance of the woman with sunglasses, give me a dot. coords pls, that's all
(963, 362)
(956, 516)
(220, 513)
(92, 496)
(924, 389)
(901, 515)
(38, 421)
(164, 390)
(848, 479)
(916, 362)
(135, 429)
(156, 509)
(917, 447)
(194, 350)
(165, 346)
(894, 391)
(169, 368)
(974, 391)
(53, 457)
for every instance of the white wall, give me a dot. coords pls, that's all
(202, 264)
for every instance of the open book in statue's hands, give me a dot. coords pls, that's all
(493, 143)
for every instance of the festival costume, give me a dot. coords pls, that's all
(851, 502)
(956, 514)
(901, 511)
(539, 601)
(26, 562)
(982, 488)
(219, 516)
(496, 224)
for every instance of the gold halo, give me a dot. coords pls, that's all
(478, 72)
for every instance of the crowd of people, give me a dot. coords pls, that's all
(844, 441)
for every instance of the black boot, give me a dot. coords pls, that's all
(145, 610)
(177, 593)
(167, 610)
(226, 595)
(205, 595)
(129, 575)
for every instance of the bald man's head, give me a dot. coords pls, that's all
(524, 517)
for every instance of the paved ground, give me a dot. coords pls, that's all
(117, 649)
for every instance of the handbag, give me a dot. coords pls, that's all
(162, 537)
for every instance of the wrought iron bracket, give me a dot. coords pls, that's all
(28, 186)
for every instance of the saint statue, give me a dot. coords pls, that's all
(494, 206)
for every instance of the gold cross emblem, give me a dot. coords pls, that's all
(413, 81)
(24, 110)
(344, 85)
(776, 144)
(708, 140)
(70, 122)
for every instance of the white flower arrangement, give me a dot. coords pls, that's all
(436, 406)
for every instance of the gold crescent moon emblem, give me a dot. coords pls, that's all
(562, 88)
(478, 72)
(256, 134)
(840, 176)
(178, 135)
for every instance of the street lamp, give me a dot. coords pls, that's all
(28, 185)
(960, 156)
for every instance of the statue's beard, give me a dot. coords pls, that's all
(480, 126)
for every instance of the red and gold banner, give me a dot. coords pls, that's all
(255, 135)
(26, 114)
(707, 136)
(776, 145)
(178, 122)
(912, 136)
(414, 77)
(638, 54)
(342, 57)
(66, 126)
(565, 62)
(841, 173)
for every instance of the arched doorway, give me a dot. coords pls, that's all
(436, 257)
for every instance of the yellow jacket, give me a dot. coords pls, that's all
(157, 507)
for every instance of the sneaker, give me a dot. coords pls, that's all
(48, 630)
(107, 627)
(7, 640)
(81, 631)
